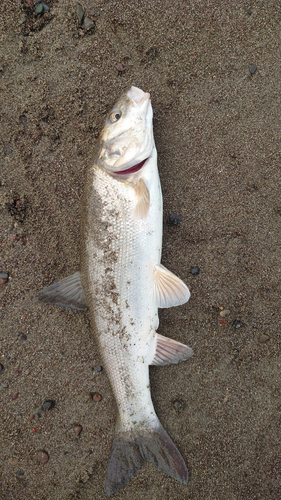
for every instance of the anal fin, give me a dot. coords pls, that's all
(67, 292)
(169, 351)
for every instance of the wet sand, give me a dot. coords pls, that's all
(213, 71)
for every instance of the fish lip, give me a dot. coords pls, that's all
(132, 170)
(138, 96)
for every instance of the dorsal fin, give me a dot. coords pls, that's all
(67, 292)
(169, 290)
(143, 202)
(169, 351)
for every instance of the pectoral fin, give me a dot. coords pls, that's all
(67, 292)
(169, 351)
(143, 200)
(169, 290)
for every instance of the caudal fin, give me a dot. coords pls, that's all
(128, 453)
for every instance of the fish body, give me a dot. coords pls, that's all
(118, 253)
(123, 283)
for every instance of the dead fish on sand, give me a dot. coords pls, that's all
(123, 284)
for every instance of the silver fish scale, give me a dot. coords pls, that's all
(117, 258)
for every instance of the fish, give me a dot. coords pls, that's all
(123, 284)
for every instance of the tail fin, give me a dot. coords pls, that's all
(129, 451)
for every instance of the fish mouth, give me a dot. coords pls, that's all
(133, 169)
(140, 97)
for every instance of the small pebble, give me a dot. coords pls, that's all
(195, 270)
(31, 417)
(79, 12)
(23, 336)
(13, 461)
(9, 150)
(39, 9)
(174, 219)
(4, 278)
(48, 404)
(96, 397)
(237, 323)
(252, 69)
(42, 457)
(15, 395)
(77, 429)
(263, 338)
(34, 429)
(2, 368)
(23, 118)
(4, 384)
(121, 68)
(224, 313)
(99, 369)
(23, 239)
(88, 23)
(45, 7)
(179, 405)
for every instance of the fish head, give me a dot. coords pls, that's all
(126, 141)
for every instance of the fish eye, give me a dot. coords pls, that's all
(115, 116)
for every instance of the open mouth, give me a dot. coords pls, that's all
(133, 169)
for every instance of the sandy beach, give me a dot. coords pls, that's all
(213, 71)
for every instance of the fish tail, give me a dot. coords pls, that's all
(130, 450)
